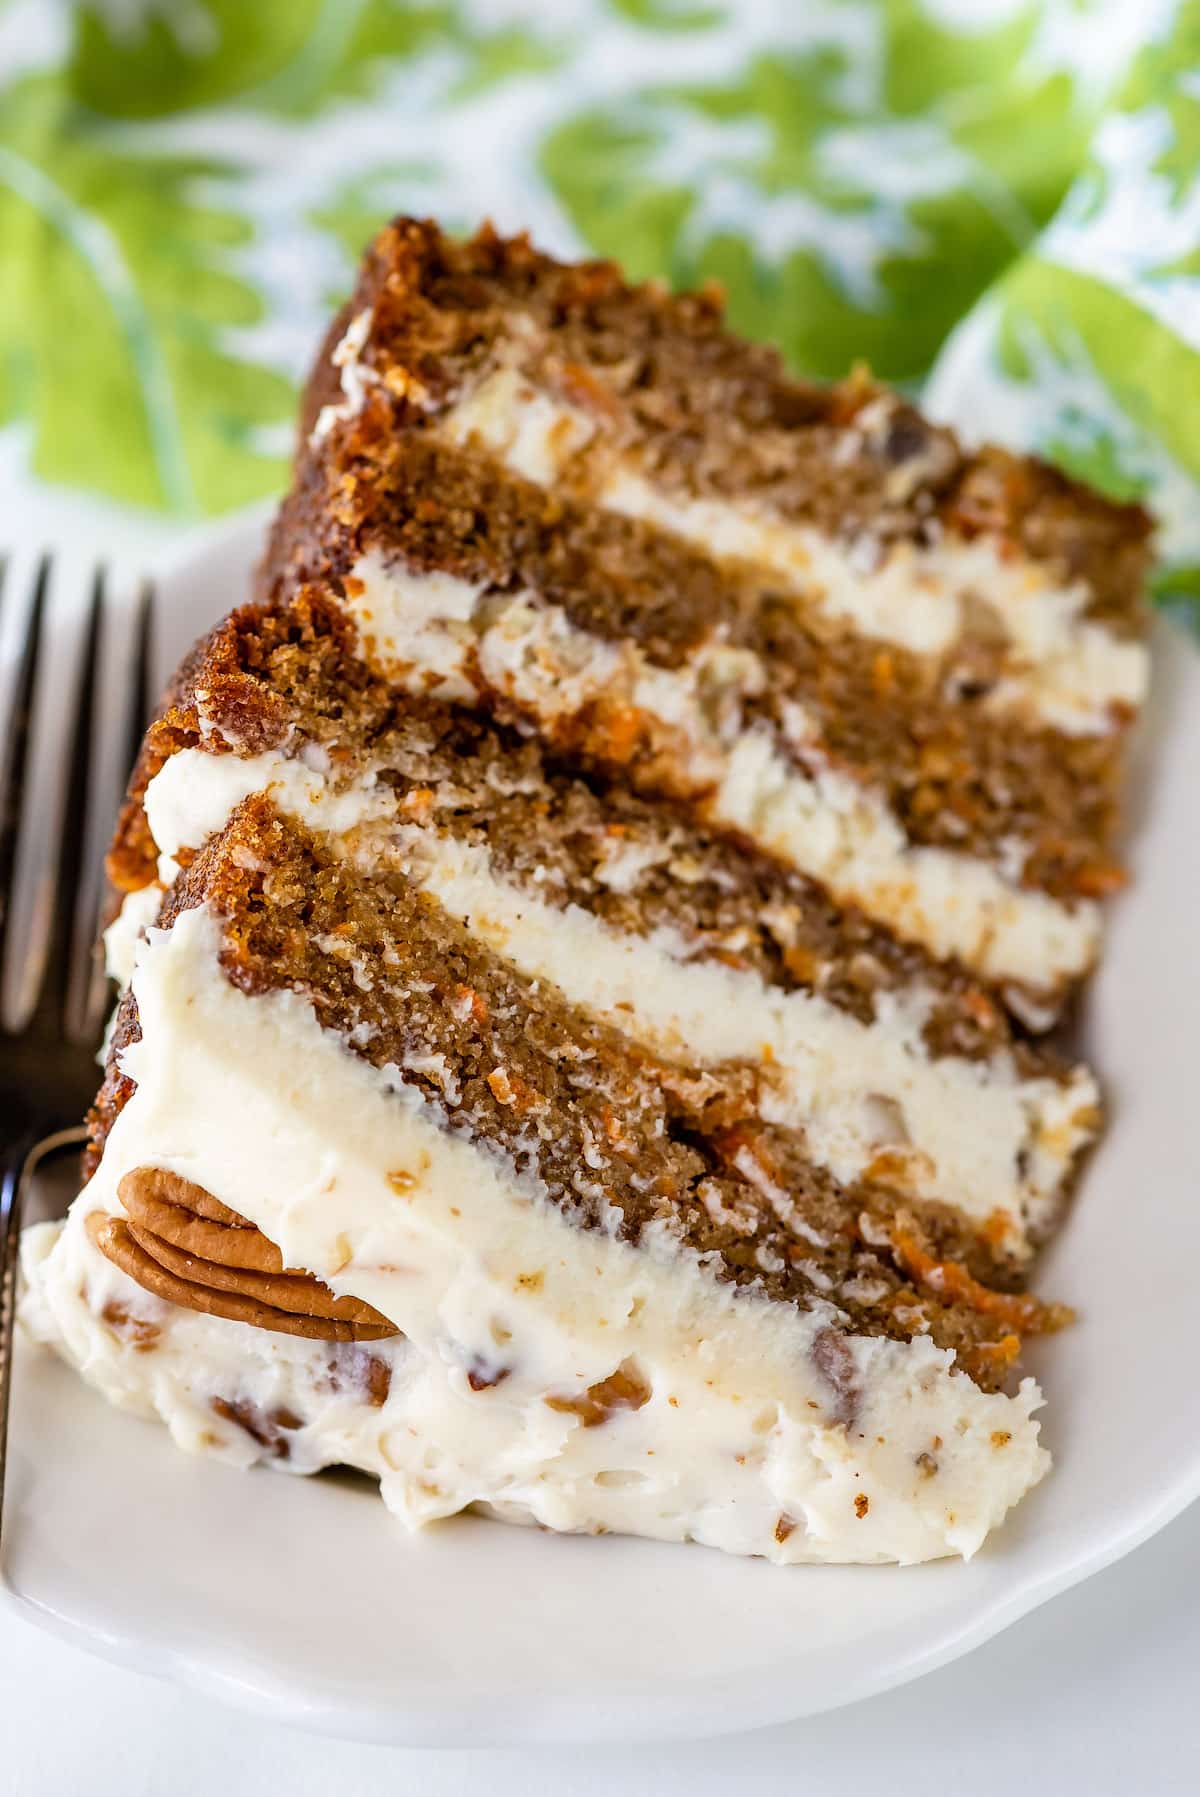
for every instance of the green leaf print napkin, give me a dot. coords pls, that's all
(993, 202)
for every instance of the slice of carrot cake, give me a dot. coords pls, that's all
(582, 932)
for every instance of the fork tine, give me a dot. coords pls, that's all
(123, 622)
(149, 688)
(21, 582)
(22, 594)
(63, 618)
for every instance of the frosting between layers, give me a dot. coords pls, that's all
(138, 911)
(855, 1090)
(356, 376)
(1068, 672)
(550, 1372)
(429, 628)
(818, 819)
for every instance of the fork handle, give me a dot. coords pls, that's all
(19, 1160)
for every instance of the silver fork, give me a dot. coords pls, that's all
(74, 677)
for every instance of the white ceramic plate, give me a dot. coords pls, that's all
(303, 1600)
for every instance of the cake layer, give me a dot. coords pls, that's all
(774, 783)
(496, 559)
(1004, 616)
(562, 363)
(904, 671)
(584, 1253)
(894, 1066)
(622, 1139)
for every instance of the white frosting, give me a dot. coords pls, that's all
(419, 621)
(534, 433)
(78, 1302)
(954, 905)
(356, 376)
(531, 652)
(961, 1128)
(1065, 670)
(248, 1097)
(821, 821)
(193, 793)
(138, 911)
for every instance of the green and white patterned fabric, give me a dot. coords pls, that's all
(995, 202)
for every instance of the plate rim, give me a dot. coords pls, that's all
(557, 1723)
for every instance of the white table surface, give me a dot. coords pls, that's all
(1097, 1692)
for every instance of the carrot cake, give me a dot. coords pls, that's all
(584, 930)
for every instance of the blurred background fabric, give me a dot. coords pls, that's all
(996, 203)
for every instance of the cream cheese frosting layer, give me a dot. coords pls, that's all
(138, 911)
(971, 1133)
(739, 1426)
(1065, 671)
(814, 817)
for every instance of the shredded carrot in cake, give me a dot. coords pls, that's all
(1100, 879)
(1020, 1312)
(617, 734)
(989, 1360)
